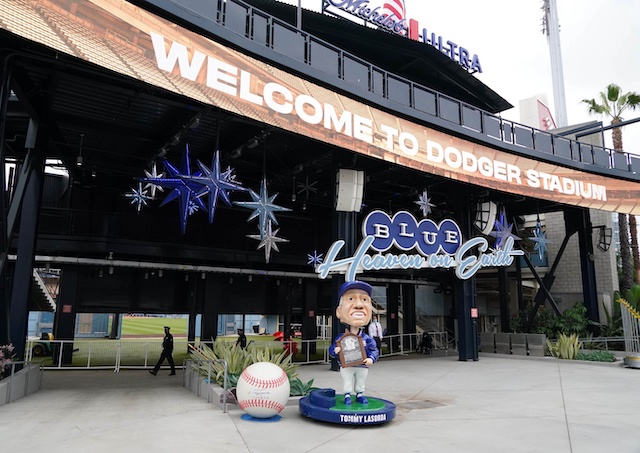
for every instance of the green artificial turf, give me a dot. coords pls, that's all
(139, 325)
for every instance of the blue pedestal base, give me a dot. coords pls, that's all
(324, 405)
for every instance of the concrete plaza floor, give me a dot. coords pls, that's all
(497, 404)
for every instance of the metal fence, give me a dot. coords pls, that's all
(138, 353)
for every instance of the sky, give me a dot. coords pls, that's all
(600, 44)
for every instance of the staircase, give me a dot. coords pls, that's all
(40, 297)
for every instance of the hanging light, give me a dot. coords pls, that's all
(79, 158)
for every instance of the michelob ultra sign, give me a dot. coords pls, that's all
(422, 244)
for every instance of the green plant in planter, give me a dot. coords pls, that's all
(567, 347)
(238, 359)
(299, 388)
(596, 356)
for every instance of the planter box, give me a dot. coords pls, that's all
(23, 383)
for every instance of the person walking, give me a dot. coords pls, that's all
(167, 353)
(375, 332)
(242, 339)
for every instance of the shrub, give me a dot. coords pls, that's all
(572, 320)
(567, 346)
(6, 357)
(596, 356)
(238, 359)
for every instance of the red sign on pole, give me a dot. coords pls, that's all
(66, 309)
(474, 312)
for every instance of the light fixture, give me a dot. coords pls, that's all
(146, 275)
(253, 143)
(250, 278)
(100, 273)
(186, 277)
(160, 272)
(605, 235)
(110, 270)
(230, 280)
(349, 190)
(195, 122)
(79, 158)
(486, 213)
(203, 275)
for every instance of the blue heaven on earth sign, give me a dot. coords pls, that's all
(437, 245)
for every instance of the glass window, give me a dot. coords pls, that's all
(378, 82)
(524, 136)
(601, 157)
(288, 42)
(471, 118)
(562, 147)
(236, 18)
(325, 58)
(492, 126)
(425, 101)
(399, 91)
(620, 161)
(542, 141)
(356, 72)
(449, 110)
(259, 32)
(635, 164)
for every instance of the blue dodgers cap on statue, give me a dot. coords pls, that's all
(346, 286)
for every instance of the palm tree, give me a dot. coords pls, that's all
(613, 105)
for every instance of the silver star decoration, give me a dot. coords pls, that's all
(502, 231)
(268, 241)
(540, 238)
(307, 188)
(424, 203)
(316, 259)
(153, 174)
(263, 206)
(215, 185)
(138, 197)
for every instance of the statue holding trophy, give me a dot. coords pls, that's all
(357, 350)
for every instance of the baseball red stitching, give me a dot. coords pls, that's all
(261, 404)
(264, 383)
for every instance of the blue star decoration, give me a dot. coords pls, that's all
(502, 231)
(268, 240)
(424, 203)
(153, 174)
(263, 207)
(215, 184)
(316, 259)
(182, 186)
(540, 239)
(138, 196)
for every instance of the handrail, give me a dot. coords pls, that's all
(274, 34)
(631, 326)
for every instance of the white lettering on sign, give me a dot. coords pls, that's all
(232, 81)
